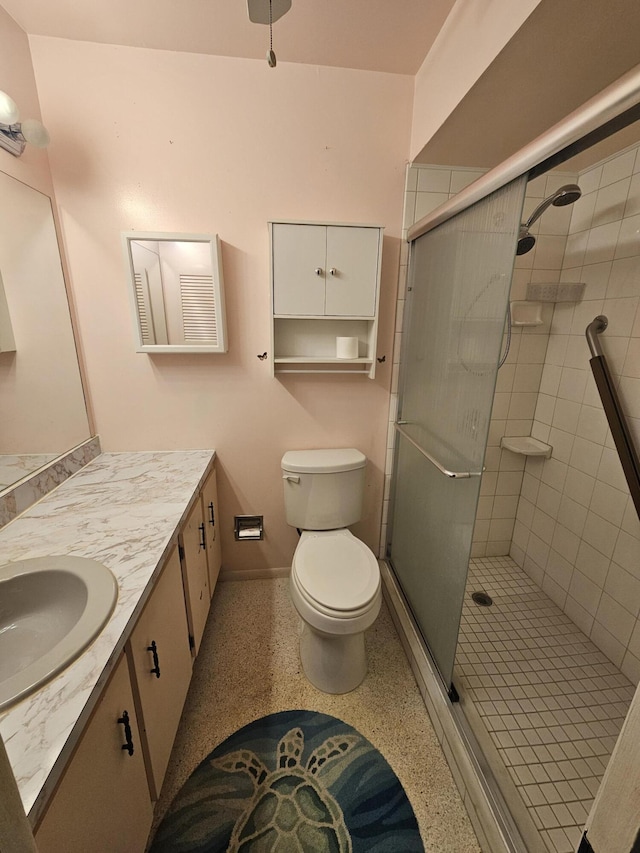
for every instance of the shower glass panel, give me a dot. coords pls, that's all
(456, 307)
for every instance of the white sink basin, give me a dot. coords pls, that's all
(51, 608)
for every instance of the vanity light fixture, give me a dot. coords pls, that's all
(15, 134)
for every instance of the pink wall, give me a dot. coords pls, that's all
(168, 141)
(17, 80)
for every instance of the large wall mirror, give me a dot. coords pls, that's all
(176, 291)
(43, 412)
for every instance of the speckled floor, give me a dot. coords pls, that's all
(248, 666)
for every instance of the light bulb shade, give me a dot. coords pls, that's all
(9, 112)
(35, 132)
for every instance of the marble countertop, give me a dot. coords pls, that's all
(124, 510)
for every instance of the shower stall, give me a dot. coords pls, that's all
(536, 671)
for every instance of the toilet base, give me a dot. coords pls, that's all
(333, 664)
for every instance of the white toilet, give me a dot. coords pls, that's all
(335, 578)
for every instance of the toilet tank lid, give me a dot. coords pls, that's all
(323, 461)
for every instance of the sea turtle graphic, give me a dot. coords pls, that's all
(290, 810)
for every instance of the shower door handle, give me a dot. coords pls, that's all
(455, 475)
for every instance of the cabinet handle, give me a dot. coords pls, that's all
(318, 270)
(203, 541)
(333, 271)
(156, 663)
(124, 720)
(212, 515)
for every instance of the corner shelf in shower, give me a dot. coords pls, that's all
(526, 445)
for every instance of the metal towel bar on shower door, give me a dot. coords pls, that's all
(456, 475)
(611, 403)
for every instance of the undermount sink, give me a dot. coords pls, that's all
(51, 608)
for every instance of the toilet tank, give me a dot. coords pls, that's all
(323, 489)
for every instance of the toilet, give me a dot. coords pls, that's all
(335, 579)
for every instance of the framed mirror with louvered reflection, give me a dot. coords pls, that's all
(177, 291)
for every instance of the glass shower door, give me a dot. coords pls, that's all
(457, 301)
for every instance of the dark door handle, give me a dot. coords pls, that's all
(212, 516)
(156, 663)
(124, 720)
(203, 541)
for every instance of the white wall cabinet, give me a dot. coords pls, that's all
(325, 283)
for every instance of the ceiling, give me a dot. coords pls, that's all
(373, 35)
(564, 53)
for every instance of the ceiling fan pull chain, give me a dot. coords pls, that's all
(271, 57)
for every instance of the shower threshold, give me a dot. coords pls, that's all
(544, 704)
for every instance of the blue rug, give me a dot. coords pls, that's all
(293, 782)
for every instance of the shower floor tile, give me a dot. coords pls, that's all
(546, 699)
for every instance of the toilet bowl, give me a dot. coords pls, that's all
(335, 588)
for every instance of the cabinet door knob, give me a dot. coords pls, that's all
(333, 271)
(212, 515)
(318, 270)
(156, 663)
(203, 541)
(124, 720)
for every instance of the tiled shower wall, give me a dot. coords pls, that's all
(577, 533)
(519, 377)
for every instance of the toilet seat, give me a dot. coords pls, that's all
(336, 573)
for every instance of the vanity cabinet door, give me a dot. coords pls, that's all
(102, 804)
(212, 529)
(195, 573)
(161, 664)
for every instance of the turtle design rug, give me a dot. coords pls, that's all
(292, 782)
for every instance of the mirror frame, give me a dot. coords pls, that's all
(218, 285)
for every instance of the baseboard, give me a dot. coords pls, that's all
(253, 574)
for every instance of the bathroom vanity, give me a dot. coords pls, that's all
(90, 748)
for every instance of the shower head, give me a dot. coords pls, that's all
(566, 195)
(526, 241)
(561, 197)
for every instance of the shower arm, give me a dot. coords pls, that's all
(537, 213)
